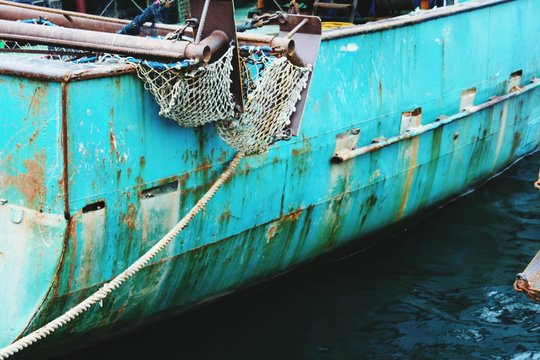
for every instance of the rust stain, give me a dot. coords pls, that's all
(118, 84)
(33, 137)
(35, 105)
(72, 231)
(517, 140)
(142, 161)
(31, 183)
(130, 218)
(225, 216)
(112, 141)
(271, 232)
(67, 155)
(410, 175)
(294, 215)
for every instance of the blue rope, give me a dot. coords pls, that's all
(257, 49)
(84, 60)
(161, 66)
(38, 21)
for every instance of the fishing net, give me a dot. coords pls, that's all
(28, 49)
(271, 83)
(193, 95)
(272, 87)
(190, 97)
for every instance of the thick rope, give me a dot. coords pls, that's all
(115, 283)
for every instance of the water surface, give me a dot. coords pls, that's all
(441, 290)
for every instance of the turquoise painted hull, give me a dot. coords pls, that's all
(82, 150)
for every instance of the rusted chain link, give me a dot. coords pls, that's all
(522, 285)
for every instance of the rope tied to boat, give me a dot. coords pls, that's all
(115, 283)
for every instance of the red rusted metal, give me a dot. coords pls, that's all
(16, 11)
(268, 40)
(99, 41)
(220, 16)
(305, 30)
(65, 182)
(80, 5)
(74, 20)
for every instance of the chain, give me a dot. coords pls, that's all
(522, 285)
(261, 20)
(179, 33)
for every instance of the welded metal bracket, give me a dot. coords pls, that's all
(306, 32)
(347, 141)
(220, 16)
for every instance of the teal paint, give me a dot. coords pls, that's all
(282, 208)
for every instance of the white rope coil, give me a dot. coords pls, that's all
(115, 283)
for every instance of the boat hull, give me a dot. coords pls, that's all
(437, 105)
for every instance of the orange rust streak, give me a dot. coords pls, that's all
(72, 231)
(130, 218)
(294, 215)
(410, 175)
(271, 232)
(31, 183)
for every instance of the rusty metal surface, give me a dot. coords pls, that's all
(307, 34)
(220, 16)
(31, 247)
(60, 72)
(105, 42)
(528, 281)
(15, 11)
(344, 154)
(131, 174)
(412, 19)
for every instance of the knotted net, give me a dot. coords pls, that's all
(190, 97)
(272, 86)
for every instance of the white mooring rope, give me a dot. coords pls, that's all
(115, 283)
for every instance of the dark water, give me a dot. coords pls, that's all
(441, 290)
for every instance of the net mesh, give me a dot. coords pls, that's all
(272, 87)
(194, 95)
(190, 97)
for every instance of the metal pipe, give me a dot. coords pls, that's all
(296, 28)
(105, 42)
(69, 19)
(348, 154)
(267, 40)
(216, 41)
